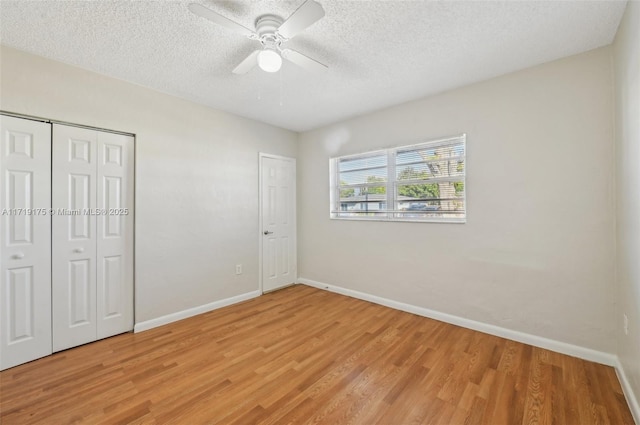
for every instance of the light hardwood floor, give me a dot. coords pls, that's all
(302, 355)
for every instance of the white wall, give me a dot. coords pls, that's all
(627, 76)
(196, 177)
(537, 252)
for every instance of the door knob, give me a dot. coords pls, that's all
(266, 232)
(78, 250)
(18, 256)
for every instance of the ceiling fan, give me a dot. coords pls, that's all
(272, 32)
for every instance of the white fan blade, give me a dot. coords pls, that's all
(304, 61)
(307, 14)
(215, 17)
(246, 65)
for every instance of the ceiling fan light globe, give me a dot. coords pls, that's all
(269, 60)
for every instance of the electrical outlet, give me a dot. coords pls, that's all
(626, 324)
(238, 268)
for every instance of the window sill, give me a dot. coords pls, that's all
(404, 220)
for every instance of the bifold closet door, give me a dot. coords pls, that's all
(74, 236)
(25, 234)
(92, 235)
(115, 234)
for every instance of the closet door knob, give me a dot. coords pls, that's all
(78, 250)
(18, 256)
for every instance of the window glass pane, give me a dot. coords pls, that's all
(429, 170)
(359, 162)
(363, 170)
(433, 208)
(431, 153)
(363, 200)
(365, 192)
(417, 200)
(410, 192)
(371, 175)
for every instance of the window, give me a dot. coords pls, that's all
(424, 182)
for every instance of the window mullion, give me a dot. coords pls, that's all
(391, 182)
(335, 188)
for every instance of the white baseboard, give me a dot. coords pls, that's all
(632, 400)
(549, 344)
(179, 315)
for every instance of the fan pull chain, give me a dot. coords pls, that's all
(281, 85)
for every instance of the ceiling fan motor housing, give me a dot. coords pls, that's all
(266, 28)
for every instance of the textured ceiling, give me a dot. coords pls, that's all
(379, 53)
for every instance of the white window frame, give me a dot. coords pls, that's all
(390, 214)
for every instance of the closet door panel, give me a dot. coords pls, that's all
(115, 234)
(74, 236)
(25, 241)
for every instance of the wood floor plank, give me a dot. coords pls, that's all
(306, 356)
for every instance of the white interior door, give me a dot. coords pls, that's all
(278, 219)
(25, 241)
(115, 234)
(74, 236)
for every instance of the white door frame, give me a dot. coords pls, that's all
(262, 155)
